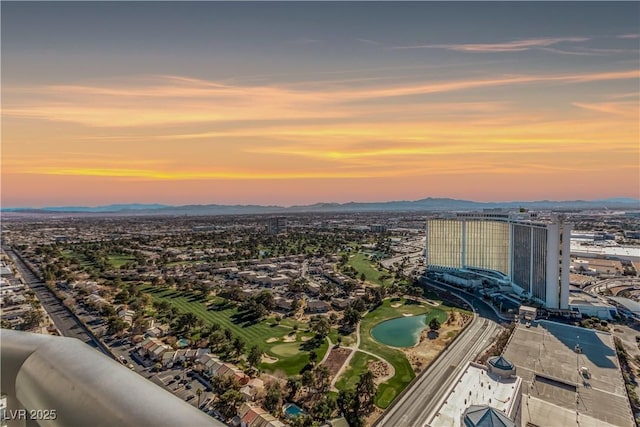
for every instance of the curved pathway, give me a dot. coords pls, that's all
(355, 349)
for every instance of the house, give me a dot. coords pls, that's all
(280, 280)
(253, 387)
(167, 359)
(126, 316)
(158, 331)
(317, 307)
(283, 304)
(157, 351)
(255, 416)
(340, 304)
(97, 301)
(249, 413)
(313, 289)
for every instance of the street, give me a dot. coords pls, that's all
(66, 322)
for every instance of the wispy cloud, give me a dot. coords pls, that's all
(167, 100)
(305, 41)
(512, 46)
(368, 41)
(629, 36)
(629, 109)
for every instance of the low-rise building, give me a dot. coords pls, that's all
(317, 307)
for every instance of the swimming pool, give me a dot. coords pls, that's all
(292, 410)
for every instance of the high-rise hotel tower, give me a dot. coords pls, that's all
(533, 255)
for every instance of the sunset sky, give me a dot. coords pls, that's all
(295, 103)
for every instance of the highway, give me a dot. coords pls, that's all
(417, 404)
(66, 322)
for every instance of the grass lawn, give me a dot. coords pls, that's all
(403, 371)
(357, 366)
(294, 357)
(362, 264)
(76, 256)
(117, 260)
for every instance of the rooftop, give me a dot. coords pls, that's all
(476, 386)
(629, 304)
(485, 416)
(545, 359)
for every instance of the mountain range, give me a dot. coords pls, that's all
(428, 204)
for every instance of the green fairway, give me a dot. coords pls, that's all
(403, 371)
(291, 358)
(362, 264)
(117, 260)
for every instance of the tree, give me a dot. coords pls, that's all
(351, 317)
(266, 299)
(366, 393)
(363, 277)
(348, 404)
(293, 385)
(434, 324)
(238, 345)
(273, 399)
(321, 327)
(229, 402)
(307, 379)
(116, 325)
(199, 394)
(313, 357)
(325, 407)
(187, 321)
(301, 421)
(31, 319)
(220, 384)
(321, 378)
(254, 356)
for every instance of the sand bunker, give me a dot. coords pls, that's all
(289, 338)
(306, 338)
(268, 359)
(407, 314)
(396, 305)
(273, 339)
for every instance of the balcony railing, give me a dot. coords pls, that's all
(57, 381)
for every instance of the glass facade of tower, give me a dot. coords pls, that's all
(444, 243)
(522, 250)
(521, 274)
(487, 245)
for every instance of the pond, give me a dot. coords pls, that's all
(401, 331)
(292, 410)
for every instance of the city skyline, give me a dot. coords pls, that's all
(293, 103)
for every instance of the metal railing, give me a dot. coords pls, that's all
(57, 381)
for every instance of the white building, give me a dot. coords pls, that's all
(532, 255)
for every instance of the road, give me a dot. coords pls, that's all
(416, 405)
(602, 285)
(66, 322)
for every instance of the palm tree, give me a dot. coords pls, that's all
(199, 394)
